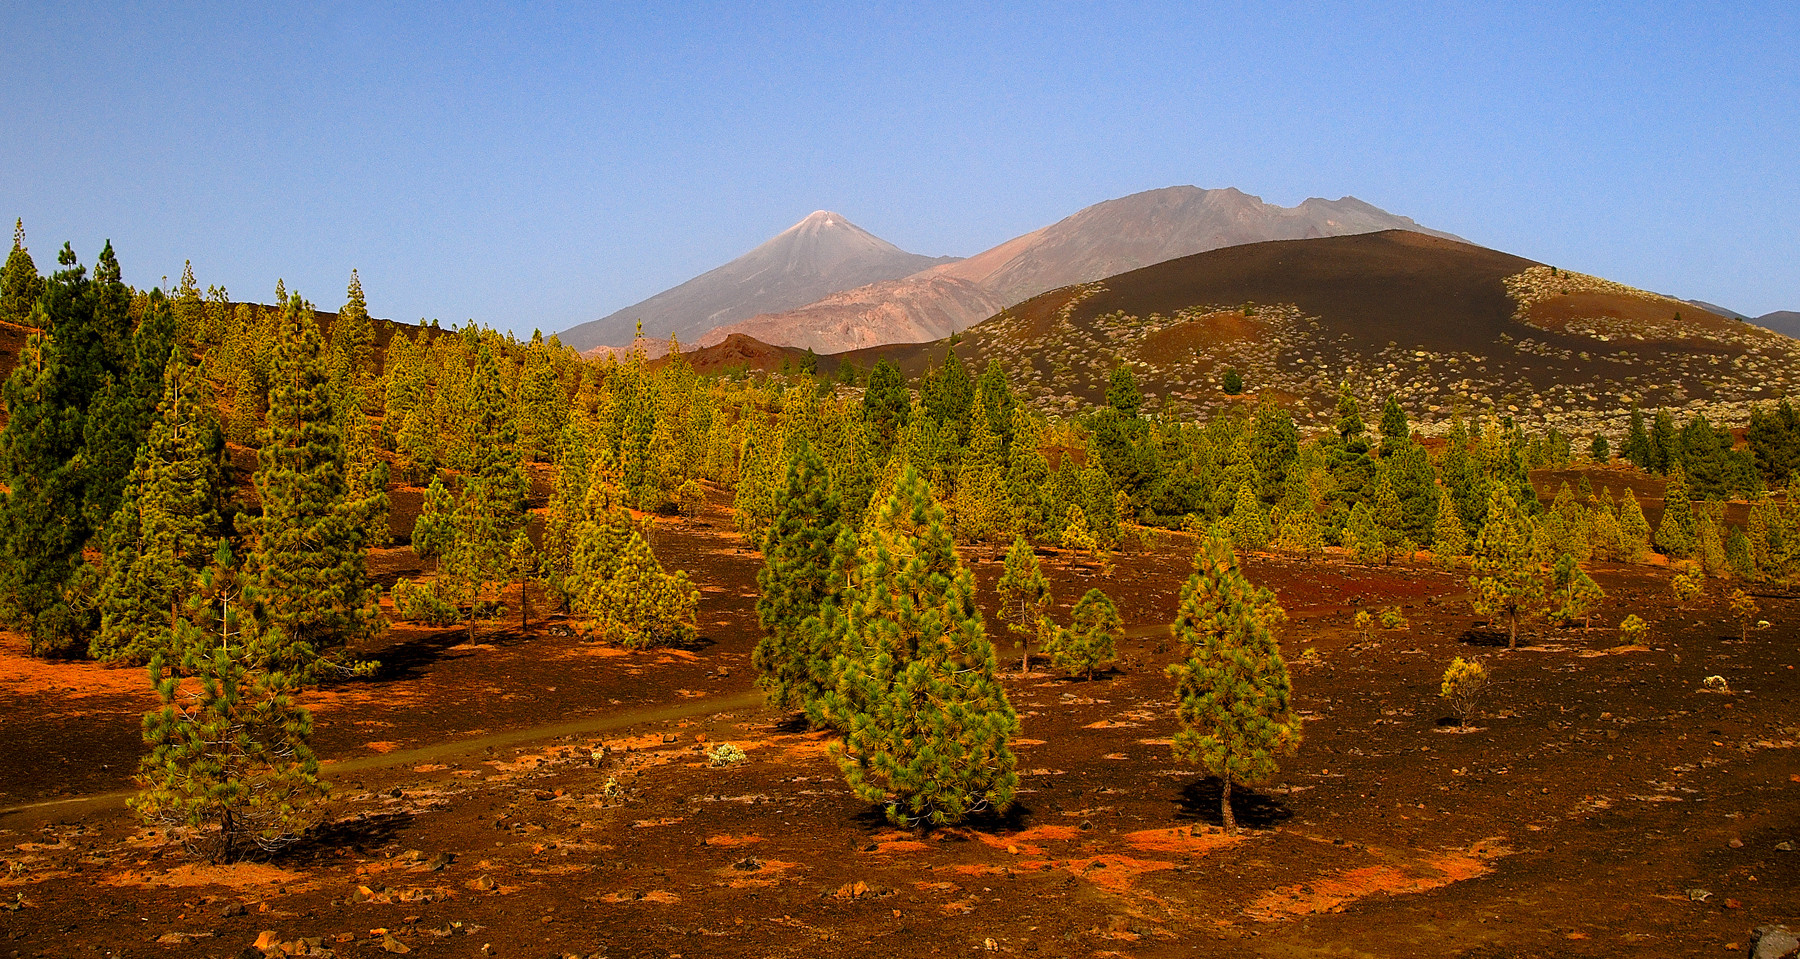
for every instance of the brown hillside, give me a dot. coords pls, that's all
(1442, 325)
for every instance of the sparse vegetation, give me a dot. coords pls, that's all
(1464, 684)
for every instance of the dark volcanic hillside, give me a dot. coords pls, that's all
(1440, 324)
(1785, 322)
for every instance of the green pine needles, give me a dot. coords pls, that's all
(795, 580)
(1091, 641)
(230, 771)
(928, 727)
(1232, 692)
(308, 553)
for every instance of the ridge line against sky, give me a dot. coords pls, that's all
(538, 166)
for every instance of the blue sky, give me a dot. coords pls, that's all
(541, 165)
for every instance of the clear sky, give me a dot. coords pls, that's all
(540, 165)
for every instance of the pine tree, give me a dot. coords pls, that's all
(1675, 535)
(1449, 541)
(20, 284)
(1233, 696)
(928, 725)
(979, 503)
(640, 605)
(1362, 535)
(1637, 450)
(795, 579)
(1573, 592)
(119, 415)
(1247, 525)
(1024, 596)
(307, 551)
(1506, 585)
(40, 529)
(886, 405)
(230, 770)
(1634, 530)
(1091, 641)
(163, 535)
(353, 345)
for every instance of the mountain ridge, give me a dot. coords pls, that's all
(1100, 240)
(821, 254)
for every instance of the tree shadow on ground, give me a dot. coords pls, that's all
(358, 834)
(792, 724)
(1490, 638)
(1200, 801)
(873, 819)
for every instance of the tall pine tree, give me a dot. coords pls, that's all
(795, 580)
(307, 548)
(928, 725)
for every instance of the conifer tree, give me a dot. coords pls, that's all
(20, 284)
(979, 503)
(640, 605)
(1634, 530)
(928, 725)
(795, 579)
(230, 770)
(1233, 696)
(1505, 584)
(1091, 641)
(1573, 592)
(1024, 596)
(1362, 535)
(1077, 536)
(1247, 525)
(307, 548)
(1387, 515)
(886, 405)
(119, 415)
(1637, 450)
(40, 530)
(353, 345)
(163, 535)
(1675, 535)
(1449, 541)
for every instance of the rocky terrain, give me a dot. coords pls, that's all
(1442, 325)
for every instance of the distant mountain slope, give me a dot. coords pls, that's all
(1785, 322)
(1441, 325)
(1101, 240)
(814, 258)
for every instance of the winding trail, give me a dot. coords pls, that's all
(32, 814)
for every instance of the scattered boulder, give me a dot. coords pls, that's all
(1774, 942)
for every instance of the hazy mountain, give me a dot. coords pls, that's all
(1785, 322)
(1726, 312)
(814, 258)
(1102, 240)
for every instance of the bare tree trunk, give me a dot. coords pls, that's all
(1225, 804)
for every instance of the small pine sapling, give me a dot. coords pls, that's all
(1688, 585)
(1024, 595)
(1091, 641)
(1464, 683)
(1744, 610)
(1632, 630)
(1365, 623)
(1392, 618)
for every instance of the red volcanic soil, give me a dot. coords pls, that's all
(538, 795)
